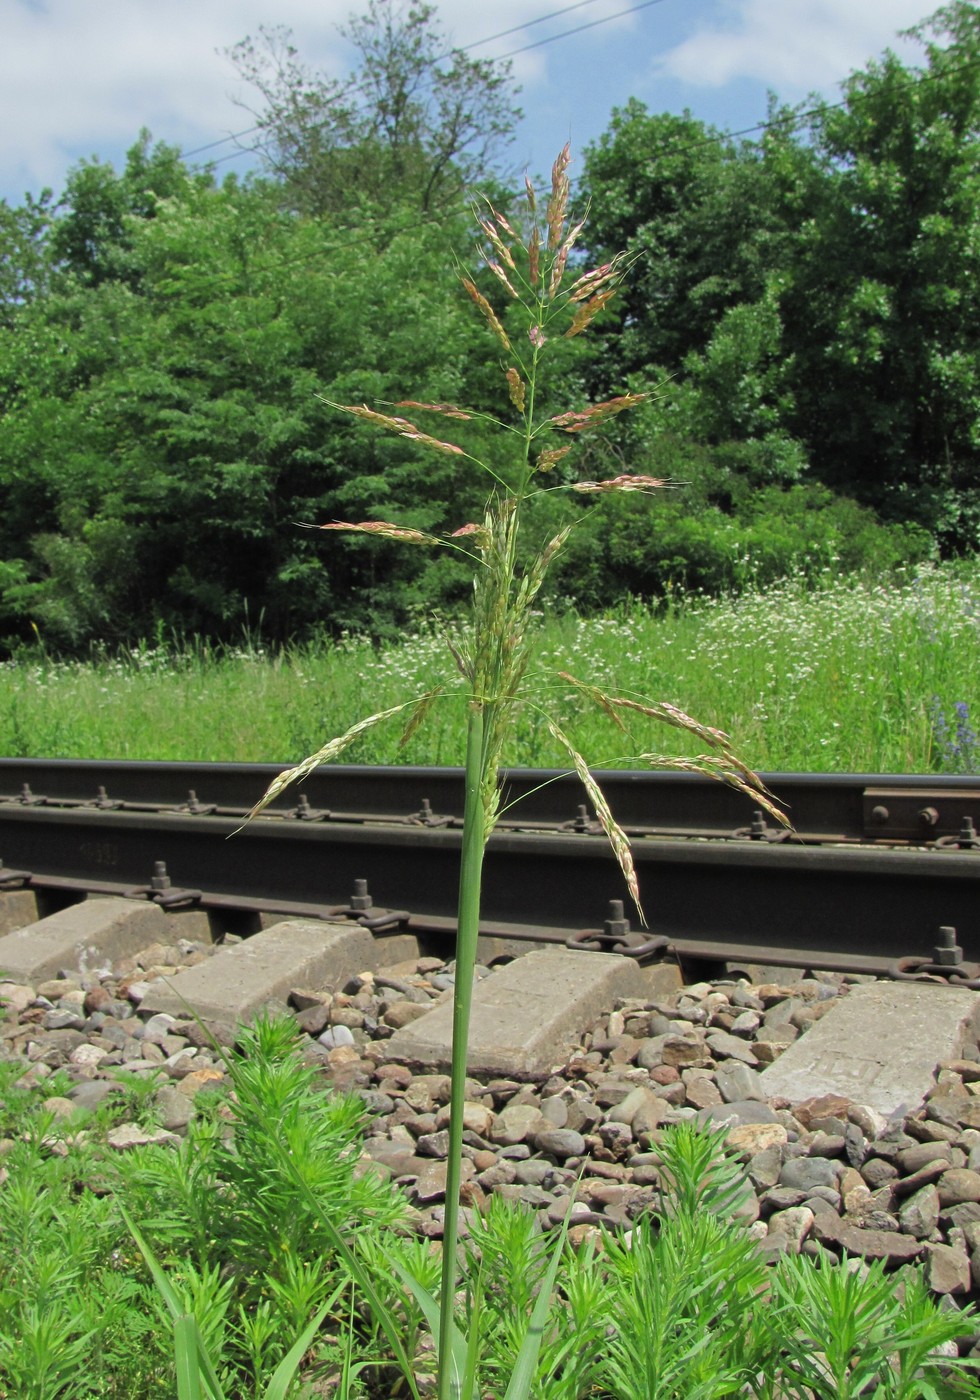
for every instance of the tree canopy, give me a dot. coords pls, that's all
(804, 304)
(418, 120)
(820, 282)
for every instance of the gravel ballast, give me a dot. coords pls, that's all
(829, 1174)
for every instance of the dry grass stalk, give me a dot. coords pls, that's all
(614, 832)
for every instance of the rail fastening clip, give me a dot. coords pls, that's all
(615, 936)
(946, 965)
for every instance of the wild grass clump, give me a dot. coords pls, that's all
(841, 674)
(243, 1243)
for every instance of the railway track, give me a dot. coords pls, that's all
(852, 1106)
(875, 866)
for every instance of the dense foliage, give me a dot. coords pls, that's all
(817, 288)
(837, 674)
(807, 302)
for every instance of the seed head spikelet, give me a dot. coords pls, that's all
(383, 528)
(501, 276)
(598, 414)
(402, 426)
(534, 256)
(732, 774)
(437, 444)
(448, 410)
(596, 278)
(502, 222)
(561, 260)
(557, 272)
(371, 415)
(493, 320)
(327, 754)
(724, 764)
(586, 312)
(572, 237)
(590, 282)
(558, 203)
(616, 835)
(548, 459)
(620, 483)
(479, 532)
(420, 712)
(532, 199)
(538, 569)
(498, 244)
(516, 388)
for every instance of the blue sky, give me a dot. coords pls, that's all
(81, 77)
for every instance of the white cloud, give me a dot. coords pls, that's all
(84, 75)
(90, 73)
(793, 47)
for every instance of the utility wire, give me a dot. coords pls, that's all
(389, 230)
(581, 28)
(378, 228)
(478, 43)
(795, 118)
(520, 28)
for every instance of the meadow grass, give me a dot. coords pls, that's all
(855, 675)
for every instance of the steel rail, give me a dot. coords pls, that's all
(866, 808)
(818, 902)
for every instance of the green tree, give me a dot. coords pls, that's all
(702, 214)
(91, 238)
(882, 304)
(815, 292)
(418, 121)
(24, 260)
(161, 435)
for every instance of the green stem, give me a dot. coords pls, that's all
(470, 876)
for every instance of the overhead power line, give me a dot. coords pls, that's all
(466, 48)
(581, 28)
(391, 229)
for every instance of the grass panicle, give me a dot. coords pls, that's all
(495, 650)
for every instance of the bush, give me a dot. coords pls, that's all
(654, 549)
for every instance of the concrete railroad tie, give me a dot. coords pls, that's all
(83, 937)
(526, 1017)
(880, 1046)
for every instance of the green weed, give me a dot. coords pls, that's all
(680, 1307)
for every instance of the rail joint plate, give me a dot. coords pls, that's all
(910, 814)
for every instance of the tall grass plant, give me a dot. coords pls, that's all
(491, 647)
